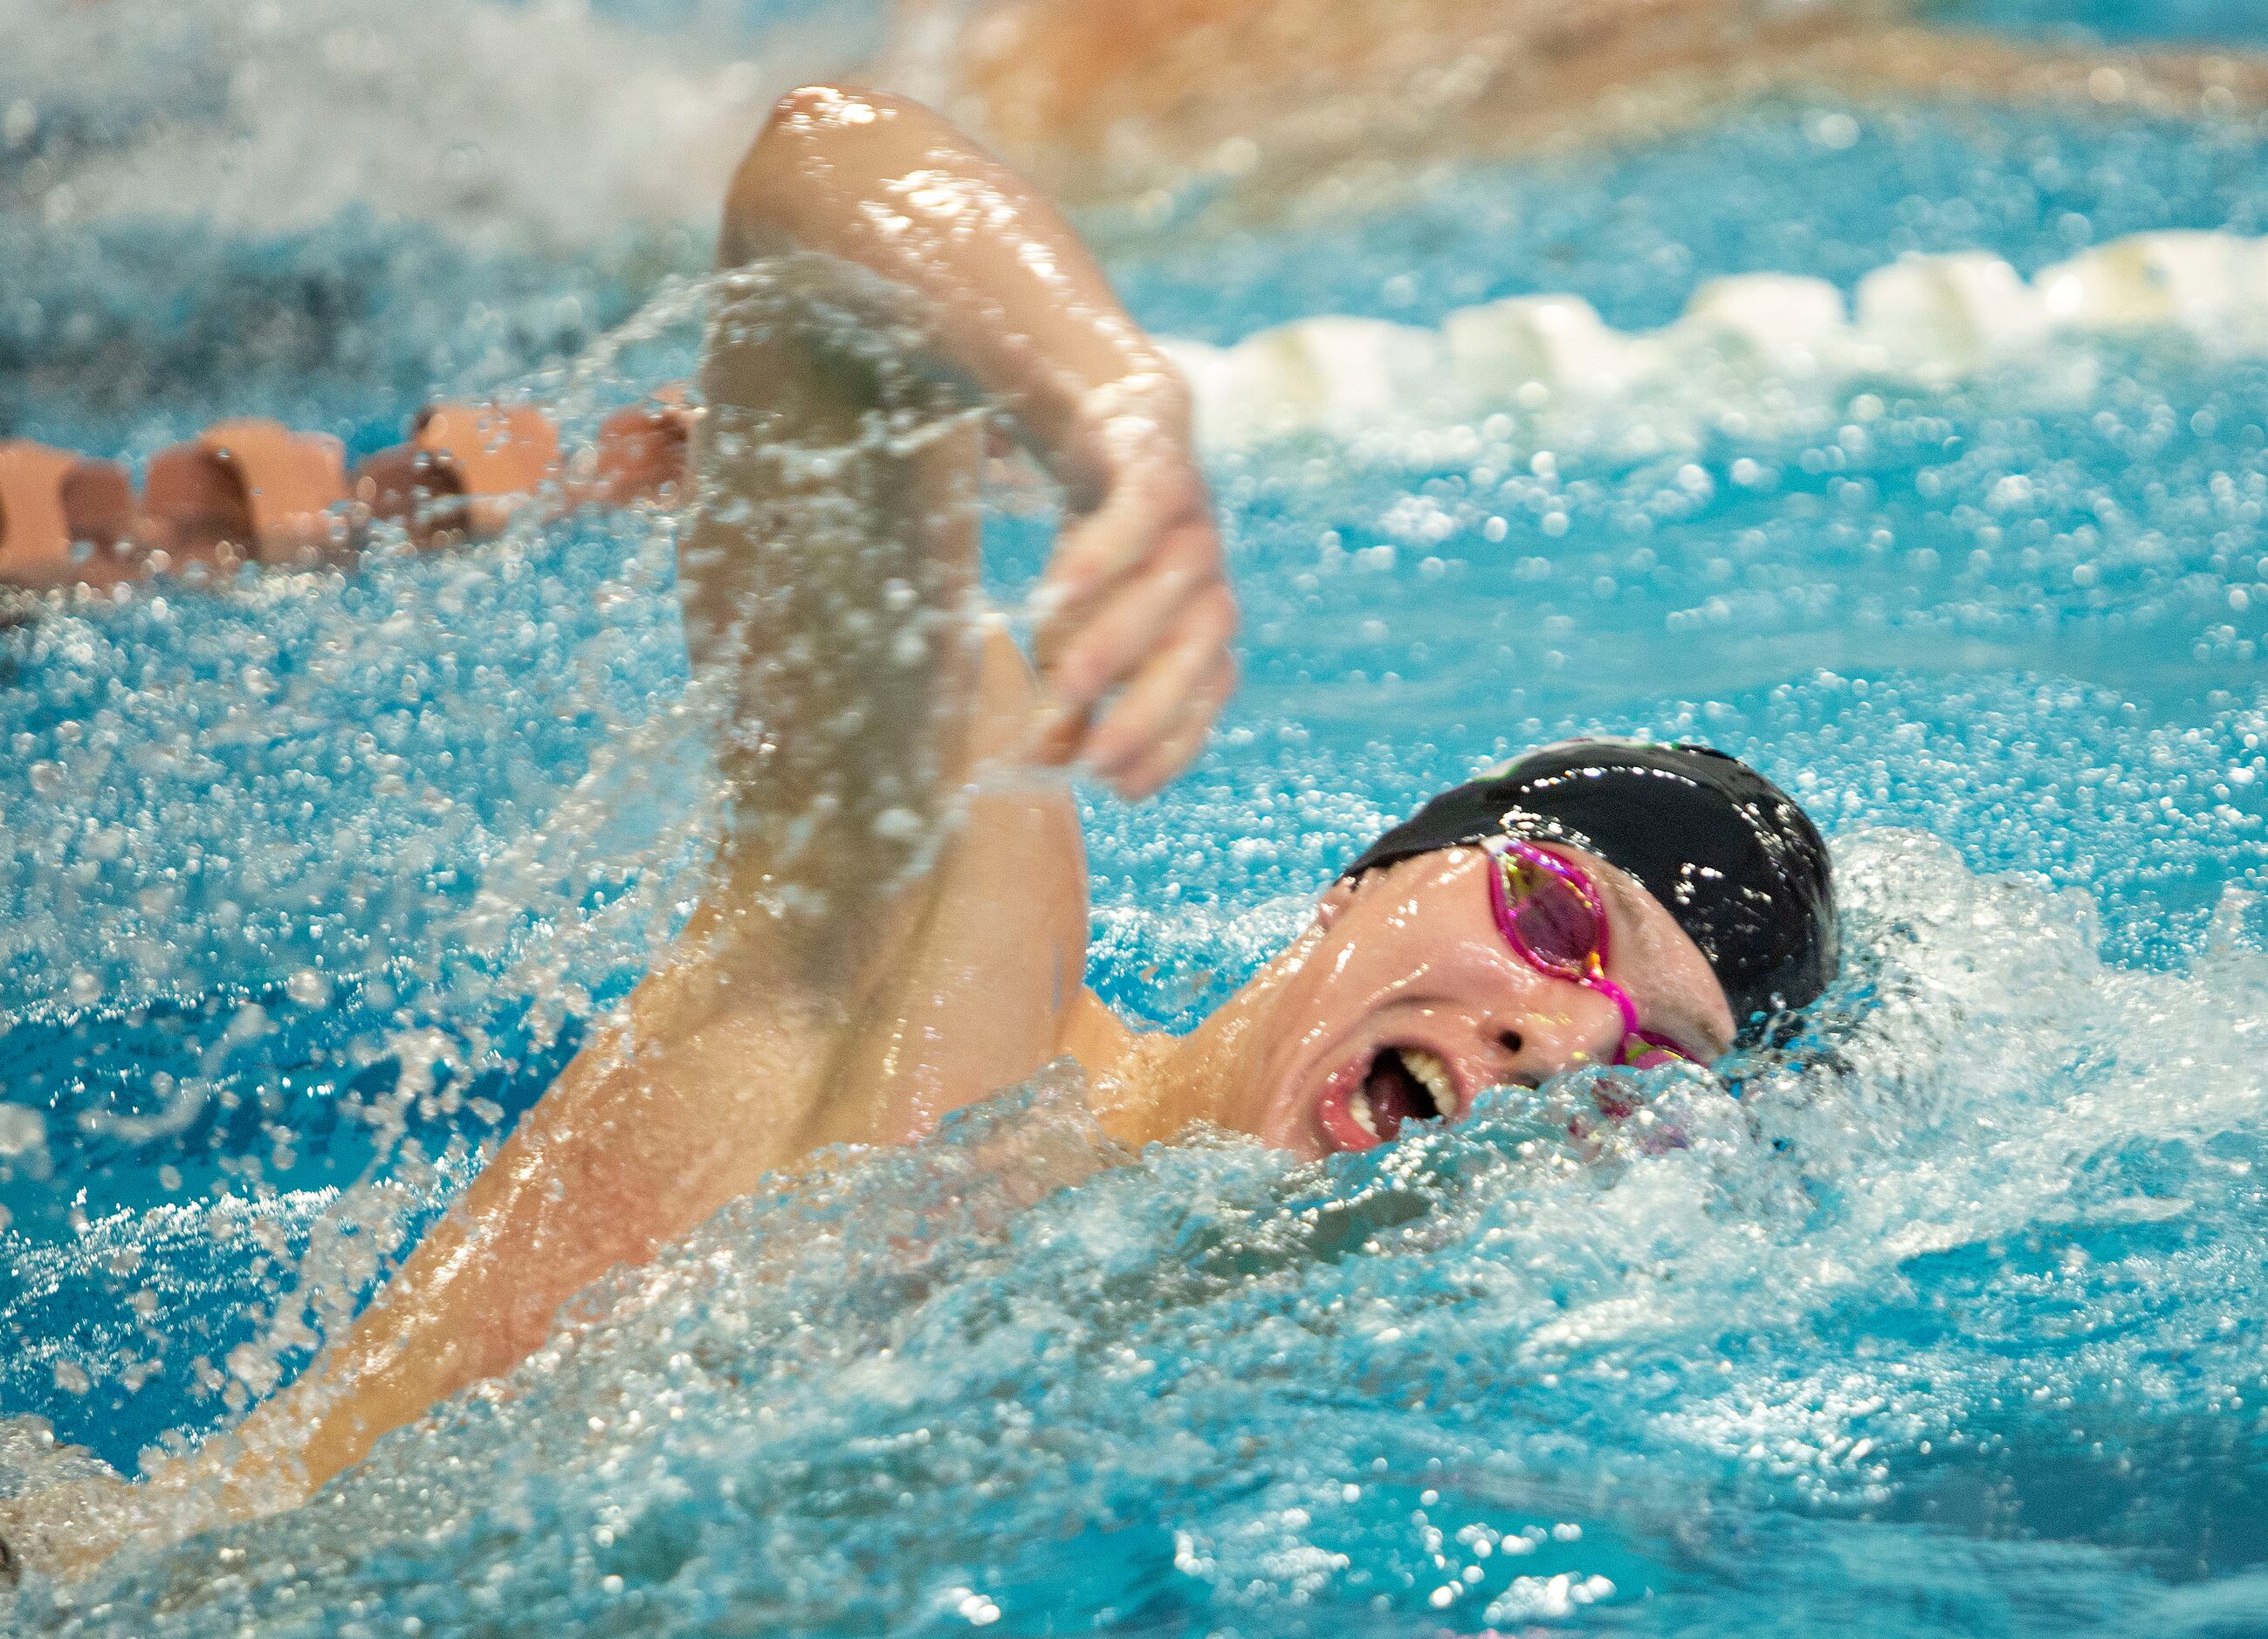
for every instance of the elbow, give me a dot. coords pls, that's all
(820, 110)
(818, 140)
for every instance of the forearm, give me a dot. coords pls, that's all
(829, 581)
(896, 279)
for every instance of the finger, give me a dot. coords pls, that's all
(1057, 732)
(1100, 645)
(1096, 550)
(1149, 704)
(1091, 555)
(1179, 746)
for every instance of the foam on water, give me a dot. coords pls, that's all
(328, 211)
(270, 119)
(1753, 355)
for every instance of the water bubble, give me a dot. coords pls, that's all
(897, 825)
(22, 1130)
(1836, 130)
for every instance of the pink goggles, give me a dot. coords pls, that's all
(1553, 917)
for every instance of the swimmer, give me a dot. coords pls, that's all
(896, 923)
(1265, 97)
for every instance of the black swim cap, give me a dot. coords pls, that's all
(1727, 853)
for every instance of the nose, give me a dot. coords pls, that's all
(1559, 1026)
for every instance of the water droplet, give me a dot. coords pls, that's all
(22, 1129)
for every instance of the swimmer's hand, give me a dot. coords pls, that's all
(1136, 611)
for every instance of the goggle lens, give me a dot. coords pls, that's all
(1643, 1052)
(1554, 919)
(1558, 927)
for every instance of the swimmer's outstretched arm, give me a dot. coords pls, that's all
(829, 586)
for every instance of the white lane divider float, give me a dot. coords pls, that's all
(1753, 348)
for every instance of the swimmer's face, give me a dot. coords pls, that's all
(1403, 1001)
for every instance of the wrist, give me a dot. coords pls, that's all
(1137, 421)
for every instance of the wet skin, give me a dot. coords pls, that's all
(1407, 964)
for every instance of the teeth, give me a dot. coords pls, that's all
(1434, 1076)
(1358, 1106)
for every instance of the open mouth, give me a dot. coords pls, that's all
(1400, 1084)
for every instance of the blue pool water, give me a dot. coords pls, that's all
(2221, 23)
(1953, 1321)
